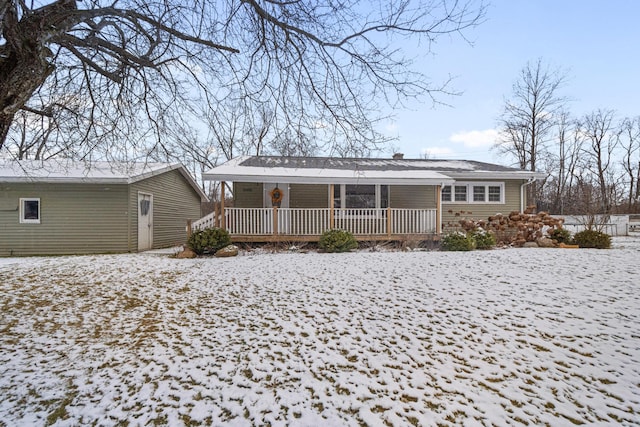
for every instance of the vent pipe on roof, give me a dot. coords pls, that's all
(398, 156)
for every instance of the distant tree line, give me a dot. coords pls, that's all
(592, 161)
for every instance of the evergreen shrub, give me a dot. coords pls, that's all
(483, 239)
(337, 240)
(458, 241)
(209, 240)
(592, 239)
(560, 235)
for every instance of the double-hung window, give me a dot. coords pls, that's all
(29, 211)
(460, 193)
(473, 192)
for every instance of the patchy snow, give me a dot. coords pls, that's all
(502, 337)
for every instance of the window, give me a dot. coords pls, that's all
(461, 193)
(478, 193)
(495, 193)
(446, 193)
(360, 196)
(473, 192)
(30, 211)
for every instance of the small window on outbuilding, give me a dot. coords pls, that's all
(29, 211)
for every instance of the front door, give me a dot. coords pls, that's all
(284, 221)
(145, 221)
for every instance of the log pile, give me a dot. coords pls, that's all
(515, 228)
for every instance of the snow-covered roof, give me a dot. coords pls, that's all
(276, 169)
(69, 171)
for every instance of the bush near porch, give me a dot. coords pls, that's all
(208, 240)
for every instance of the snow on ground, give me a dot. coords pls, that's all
(502, 337)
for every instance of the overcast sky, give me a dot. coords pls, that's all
(596, 42)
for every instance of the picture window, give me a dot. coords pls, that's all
(360, 196)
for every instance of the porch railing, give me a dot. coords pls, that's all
(314, 221)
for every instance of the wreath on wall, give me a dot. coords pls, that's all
(276, 196)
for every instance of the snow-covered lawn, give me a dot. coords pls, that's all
(502, 337)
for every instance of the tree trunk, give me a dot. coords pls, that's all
(25, 58)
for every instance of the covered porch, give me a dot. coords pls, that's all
(298, 199)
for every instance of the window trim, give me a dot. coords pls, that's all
(471, 193)
(22, 210)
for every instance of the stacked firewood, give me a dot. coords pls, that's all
(515, 228)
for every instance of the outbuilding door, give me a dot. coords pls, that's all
(145, 221)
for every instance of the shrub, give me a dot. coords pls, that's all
(560, 235)
(483, 239)
(592, 239)
(337, 240)
(458, 241)
(208, 240)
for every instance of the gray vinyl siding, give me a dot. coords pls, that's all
(174, 202)
(247, 195)
(74, 218)
(306, 196)
(412, 197)
(478, 211)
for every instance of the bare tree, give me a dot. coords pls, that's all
(630, 143)
(530, 114)
(600, 136)
(134, 70)
(561, 165)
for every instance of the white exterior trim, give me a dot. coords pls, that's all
(24, 220)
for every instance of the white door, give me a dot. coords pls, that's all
(145, 221)
(284, 215)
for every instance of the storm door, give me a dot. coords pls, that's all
(145, 221)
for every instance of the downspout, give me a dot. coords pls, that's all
(129, 237)
(223, 221)
(439, 209)
(522, 193)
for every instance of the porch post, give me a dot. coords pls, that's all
(216, 215)
(331, 206)
(223, 221)
(275, 220)
(389, 222)
(439, 209)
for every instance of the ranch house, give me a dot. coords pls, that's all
(281, 198)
